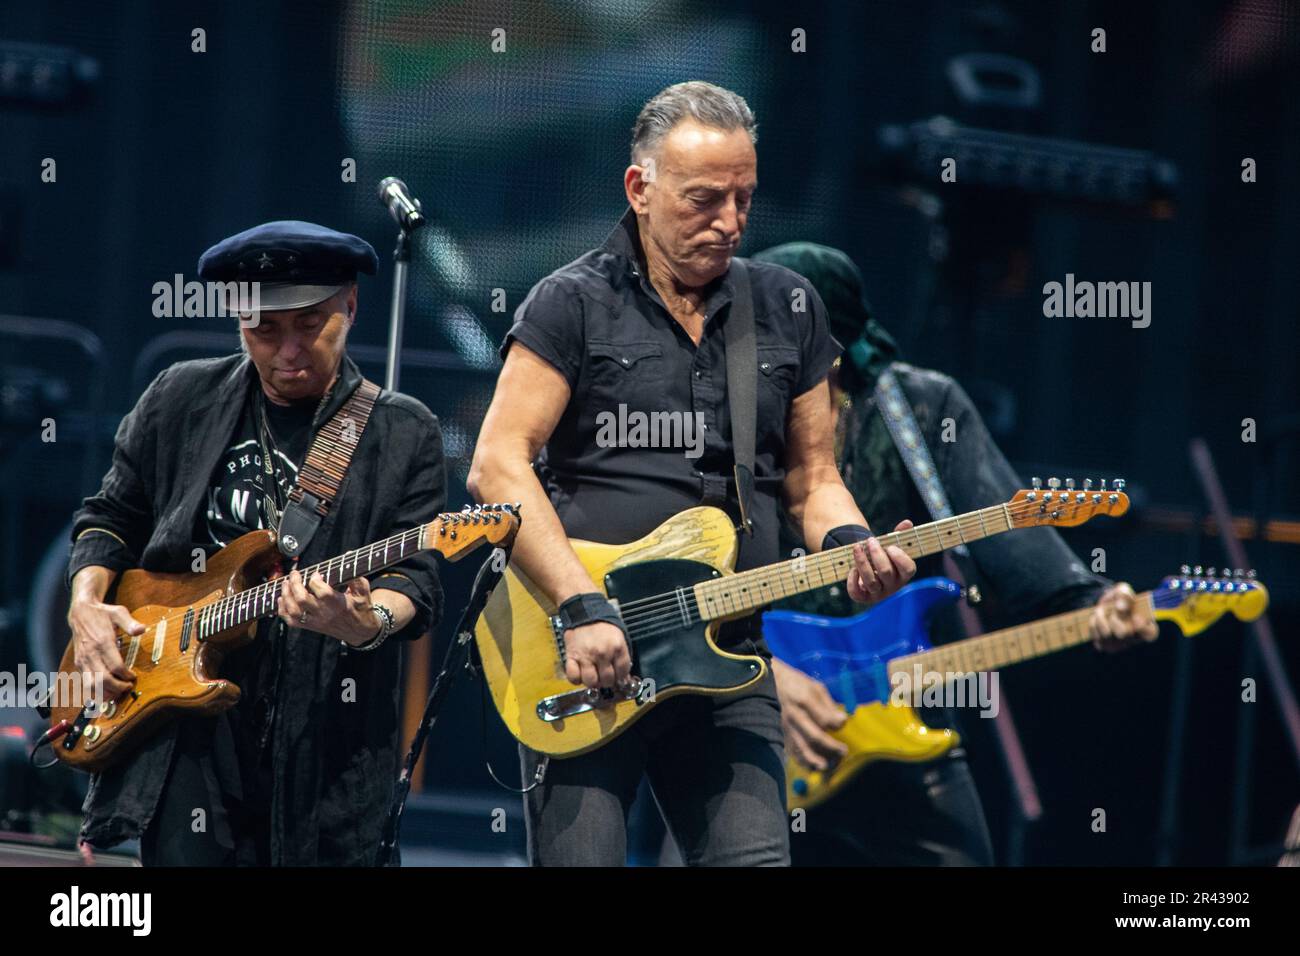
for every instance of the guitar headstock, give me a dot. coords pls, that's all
(1064, 507)
(455, 533)
(1196, 598)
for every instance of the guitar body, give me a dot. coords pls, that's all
(170, 678)
(850, 656)
(521, 652)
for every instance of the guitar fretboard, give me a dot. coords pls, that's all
(736, 594)
(1009, 646)
(262, 600)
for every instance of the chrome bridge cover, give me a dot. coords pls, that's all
(560, 706)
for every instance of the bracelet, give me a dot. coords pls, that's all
(386, 623)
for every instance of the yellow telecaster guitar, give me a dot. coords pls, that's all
(674, 587)
(863, 659)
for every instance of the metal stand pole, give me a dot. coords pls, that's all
(397, 314)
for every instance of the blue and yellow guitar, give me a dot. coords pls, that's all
(862, 659)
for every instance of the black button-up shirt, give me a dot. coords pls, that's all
(614, 469)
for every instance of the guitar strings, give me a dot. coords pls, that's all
(239, 602)
(662, 609)
(645, 612)
(1163, 598)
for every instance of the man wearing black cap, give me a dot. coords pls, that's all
(899, 814)
(301, 770)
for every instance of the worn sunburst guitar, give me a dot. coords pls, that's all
(674, 587)
(192, 620)
(861, 659)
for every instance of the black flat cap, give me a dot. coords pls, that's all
(297, 264)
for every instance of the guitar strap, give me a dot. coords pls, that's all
(322, 471)
(903, 428)
(901, 422)
(742, 387)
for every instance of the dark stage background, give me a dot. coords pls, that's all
(518, 157)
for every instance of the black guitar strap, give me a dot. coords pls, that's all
(742, 387)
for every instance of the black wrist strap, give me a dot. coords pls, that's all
(588, 608)
(846, 534)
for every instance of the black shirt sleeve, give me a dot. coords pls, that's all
(818, 348)
(549, 322)
(426, 496)
(112, 526)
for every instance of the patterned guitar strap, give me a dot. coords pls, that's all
(322, 471)
(903, 428)
(901, 422)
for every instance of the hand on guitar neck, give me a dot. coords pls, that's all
(879, 571)
(1120, 620)
(345, 614)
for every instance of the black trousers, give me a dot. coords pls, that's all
(716, 769)
(199, 820)
(899, 814)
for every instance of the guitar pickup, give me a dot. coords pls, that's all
(560, 706)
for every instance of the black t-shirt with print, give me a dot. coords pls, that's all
(231, 747)
(236, 502)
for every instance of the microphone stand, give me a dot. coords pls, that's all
(457, 657)
(406, 212)
(397, 314)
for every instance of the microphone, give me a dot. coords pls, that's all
(402, 206)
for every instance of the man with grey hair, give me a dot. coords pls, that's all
(641, 322)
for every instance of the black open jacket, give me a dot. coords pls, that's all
(334, 762)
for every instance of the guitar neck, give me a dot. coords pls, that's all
(737, 594)
(262, 600)
(1012, 645)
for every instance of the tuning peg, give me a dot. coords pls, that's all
(1036, 483)
(1210, 572)
(1069, 484)
(1250, 575)
(1087, 484)
(1184, 570)
(1197, 571)
(1053, 483)
(1119, 484)
(1103, 484)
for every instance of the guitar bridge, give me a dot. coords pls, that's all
(560, 706)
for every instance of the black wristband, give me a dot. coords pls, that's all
(586, 609)
(846, 534)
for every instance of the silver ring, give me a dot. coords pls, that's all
(302, 618)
